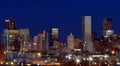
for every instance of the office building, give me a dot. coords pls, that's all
(24, 38)
(77, 43)
(35, 42)
(10, 36)
(87, 33)
(54, 33)
(107, 27)
(11, 41)
(70, 41)
(40, 41)
(43, 41)
(10, 24)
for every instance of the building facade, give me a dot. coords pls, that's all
(43, 41)
(70, 41)
(54, 33)
(10, 24)
(24, 38)
(87, 33)
(107, 27)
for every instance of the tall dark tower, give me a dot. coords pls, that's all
(107, 25)
(10, 36)
(10, 24)
(53, 36)
(107, 29)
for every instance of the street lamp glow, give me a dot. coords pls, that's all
(77, 60)
(14, 60)
(10, 36)
(69, 57)
(39, 54)
(1, 62)
(28, 64)
(6, 63)
(83, 58)
(87, 58)
(118, 63)
(11, 63)
(38, 64)
(106, 56)
(90, 58)
(95, 63)
(34, 43)
(105, 62)
(113, 52)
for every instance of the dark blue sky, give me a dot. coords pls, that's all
(64, 14)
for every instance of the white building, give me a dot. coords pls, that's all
(87, 36)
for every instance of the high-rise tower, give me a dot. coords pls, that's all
(11, 35)
(10, 39)
(70, 41)
(107, 27)
(87, 33)
(53, 35)
(10, 24)
(24, 37)
(42, 41)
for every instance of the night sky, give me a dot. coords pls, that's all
(66, 15)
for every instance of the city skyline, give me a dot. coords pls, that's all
(59, 33)
(65, 15)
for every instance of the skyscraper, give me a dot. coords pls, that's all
(87, 33)
(10, 24)
(107, 24)
(70, 41)
(107, 27)
(40, 41)
(43, 40)
(53, 35)
(24, 38)
(77, 43)
(35, 42)
(11, 40)
(10, 33)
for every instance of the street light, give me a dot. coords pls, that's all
(77, 61)
(39, 54)
(38, 64)
(113, 52)
(1, 62)
(6, 63)
(12, 63)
